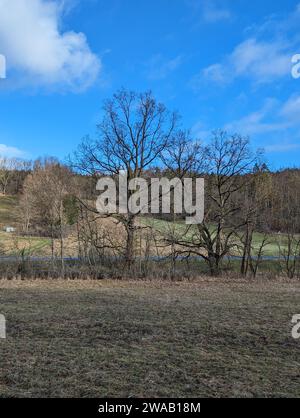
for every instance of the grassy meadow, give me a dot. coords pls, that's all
(206, 338)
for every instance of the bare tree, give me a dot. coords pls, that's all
(95, 239)
(42, 205)
(7, 167)
(183, 157)
(133, 133)
(229, 160)
(255, 259)
(255, 202)
(290, 254)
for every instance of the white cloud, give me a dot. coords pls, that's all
(39, 51)
(216, 73)
(291, 109)
(282, 147)
(213, 12)
(262, 60)
(209, 11)
(11, 152)
(274, 121)
(263, 57)
(258, 60)
(159, 68)
(260, 121)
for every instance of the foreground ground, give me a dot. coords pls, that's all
(96, 339)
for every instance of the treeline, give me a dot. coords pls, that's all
(280, 211)
(138, 134)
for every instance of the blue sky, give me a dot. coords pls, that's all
(221, 64)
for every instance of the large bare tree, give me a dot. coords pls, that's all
(133, 133)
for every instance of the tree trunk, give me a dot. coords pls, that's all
(214, 267)
(129, 253)
(61, 240)
(246, 251)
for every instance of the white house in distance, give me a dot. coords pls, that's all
(9, 229)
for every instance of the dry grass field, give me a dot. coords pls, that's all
(206, 338)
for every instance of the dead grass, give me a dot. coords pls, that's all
(125, 338)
